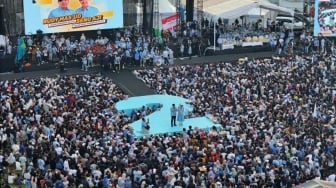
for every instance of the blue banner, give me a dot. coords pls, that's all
(324, 18)
(56, 16)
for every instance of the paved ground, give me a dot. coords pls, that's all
(125, 79)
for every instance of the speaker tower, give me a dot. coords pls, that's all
(190, 10)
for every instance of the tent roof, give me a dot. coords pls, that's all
(209, 3)
(232, 9)
(316, 183)
(166, 7)
(270, 6)
(257, 12)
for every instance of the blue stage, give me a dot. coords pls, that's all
(160, 119)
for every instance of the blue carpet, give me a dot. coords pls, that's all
(160, 119)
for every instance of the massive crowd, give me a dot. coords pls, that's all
(277, 118)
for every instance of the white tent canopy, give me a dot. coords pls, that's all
(257, 12)
(317, 183)
(165, 7)
(231, 9)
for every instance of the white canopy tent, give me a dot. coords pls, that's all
(256, 12)
(231, 9)
(317, 183)
(166, 8)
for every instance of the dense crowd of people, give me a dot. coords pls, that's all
(277, 117)
(131, 46)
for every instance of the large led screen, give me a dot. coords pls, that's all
(324, 21)
(56, 16)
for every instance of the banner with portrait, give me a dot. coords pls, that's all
(324, 19)
(57, 16)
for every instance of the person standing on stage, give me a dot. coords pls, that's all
(144, 125)
(180, 114)
(84, 63)
(90, 58)
(173, 112)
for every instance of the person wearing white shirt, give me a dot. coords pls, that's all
(117, 63)
(9, 48)
(181, 50)
(58, 149)
(323, 46)
(220, 41)
(331, 177)
(10, 179)
(90, 58)
(66, 166)
(30, 41)
(27, 178)
(165, 55)
(171, 56)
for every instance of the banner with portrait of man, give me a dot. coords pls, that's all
(324, 18)
(56, 16)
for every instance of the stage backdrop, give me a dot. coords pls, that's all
(41, 15)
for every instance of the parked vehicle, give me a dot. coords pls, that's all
(290, 22)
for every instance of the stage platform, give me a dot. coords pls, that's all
(159, 120)
(7, 63)
(209, 51)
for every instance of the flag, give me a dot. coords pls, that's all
(21, 49)
(157, 33)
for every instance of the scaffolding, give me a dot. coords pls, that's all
(130, 12)
(178, 12)
(140, 14)
(12, 17)
(156, 15)
(199, 12)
